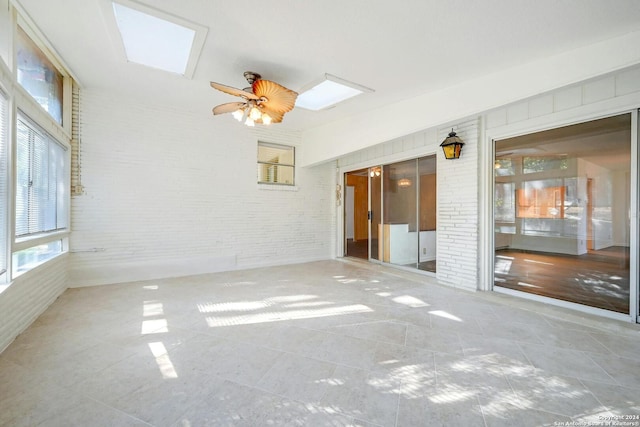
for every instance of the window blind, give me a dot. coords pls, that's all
(4, 174)
(41, 183)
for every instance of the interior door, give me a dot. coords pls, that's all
(357, 213)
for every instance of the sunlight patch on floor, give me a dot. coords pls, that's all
(410, 301)
(445, 315)
(152, 308)
(528, 285)
(154, 326)
(291, 298)
(276, 316)
(162, 359)
(457, 394)
(537, 262)
(503, 266)
(232, 306)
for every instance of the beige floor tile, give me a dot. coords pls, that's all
(328, 343)
(298, 377)
(560, 361)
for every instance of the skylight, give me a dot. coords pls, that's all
(330, 91)
(157, 39)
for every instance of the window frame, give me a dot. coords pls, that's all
(262, 163)
(5, 182)
(63, 179)
(20, 102)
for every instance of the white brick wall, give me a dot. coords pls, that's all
(592, 92)
(170, 192)
(29, 296)
(457, 239)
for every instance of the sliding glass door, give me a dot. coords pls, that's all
(401, 213)
(408, 229)
(562, 204)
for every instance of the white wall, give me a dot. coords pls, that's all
(29, 296)
(464, 184)
(469, 98)
(457, 195)
(457, 230)
(171, 192)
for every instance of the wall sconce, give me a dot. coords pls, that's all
(375, 172)
(452, 146)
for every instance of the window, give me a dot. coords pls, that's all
(41, 181)
(276, 164)
(26, 259)
(38, 76)
(504, 202)
(4, 125)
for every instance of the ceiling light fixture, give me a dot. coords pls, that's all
(404, 182)
(264, 102)
(250, 114)
(327, 92)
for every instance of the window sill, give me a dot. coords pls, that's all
(30, 241)
(276, 187)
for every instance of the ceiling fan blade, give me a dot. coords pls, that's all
(234, 91)
(229, 107)
(279, 98)
(276, 116)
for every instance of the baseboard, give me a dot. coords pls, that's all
(92, 275)
(83, 276)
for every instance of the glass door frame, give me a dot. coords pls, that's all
(487, 233)
(372, 212)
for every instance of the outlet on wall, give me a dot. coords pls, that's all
(424, 251)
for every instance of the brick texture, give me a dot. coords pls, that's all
(29, 296)
(171, 192)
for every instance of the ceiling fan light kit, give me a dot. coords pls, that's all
(265, 102)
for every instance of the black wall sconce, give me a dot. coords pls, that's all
(452, 146)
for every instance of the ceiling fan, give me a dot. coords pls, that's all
(263, 102)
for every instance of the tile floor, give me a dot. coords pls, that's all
(330, 343)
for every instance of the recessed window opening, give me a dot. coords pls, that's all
(276, 164)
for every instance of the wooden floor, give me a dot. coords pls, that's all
(358, 248)
(598, 278)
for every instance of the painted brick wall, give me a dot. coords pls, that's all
(29, 296)
(542, 107)
(457, 239)
(170, 192)
(457, 186)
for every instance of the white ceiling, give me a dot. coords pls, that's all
(401, 49)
